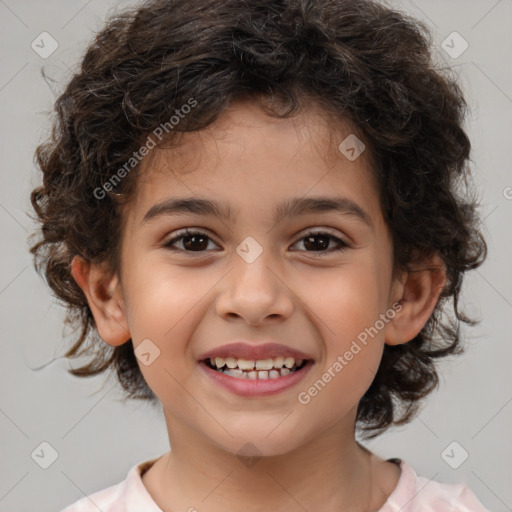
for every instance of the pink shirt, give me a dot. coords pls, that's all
(412, 494)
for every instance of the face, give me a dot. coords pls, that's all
(310, 279)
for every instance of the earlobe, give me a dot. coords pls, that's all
(419, 296)
(104, 296)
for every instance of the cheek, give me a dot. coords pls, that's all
(345, 301)
(163, 299)
(163, 308)
(349, 308)
(347, 304)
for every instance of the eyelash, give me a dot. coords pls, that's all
(184, 233)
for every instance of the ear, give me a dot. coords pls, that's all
(104, 295)
(417, 291)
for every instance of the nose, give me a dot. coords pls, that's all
(255, 292)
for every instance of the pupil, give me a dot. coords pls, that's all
(322, 245)
(193, 237)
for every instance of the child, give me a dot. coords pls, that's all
(253, 211)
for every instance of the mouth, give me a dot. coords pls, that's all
(256, 378)
(256, 369)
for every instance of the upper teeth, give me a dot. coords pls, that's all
(260, 364)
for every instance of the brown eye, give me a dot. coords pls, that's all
(319, 241)
(192, 241)
(313, 241)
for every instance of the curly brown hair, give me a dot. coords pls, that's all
(357, 59)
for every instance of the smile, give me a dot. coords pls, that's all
(258, 378)
(271, 368)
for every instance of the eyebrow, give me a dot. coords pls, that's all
(294, 207)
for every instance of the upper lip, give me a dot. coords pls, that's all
(242, 350)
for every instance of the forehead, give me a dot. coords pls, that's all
(314, 131)
(271, 156)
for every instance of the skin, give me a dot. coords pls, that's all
(189, 302)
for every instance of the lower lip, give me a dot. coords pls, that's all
(256, 387)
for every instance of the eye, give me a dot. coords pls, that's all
(319, 241)
(197, 241)
(193, 241)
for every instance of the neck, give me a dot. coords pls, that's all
(332, 469)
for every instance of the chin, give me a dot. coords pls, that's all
(256, 442)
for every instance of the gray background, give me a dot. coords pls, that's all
(97, 436)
